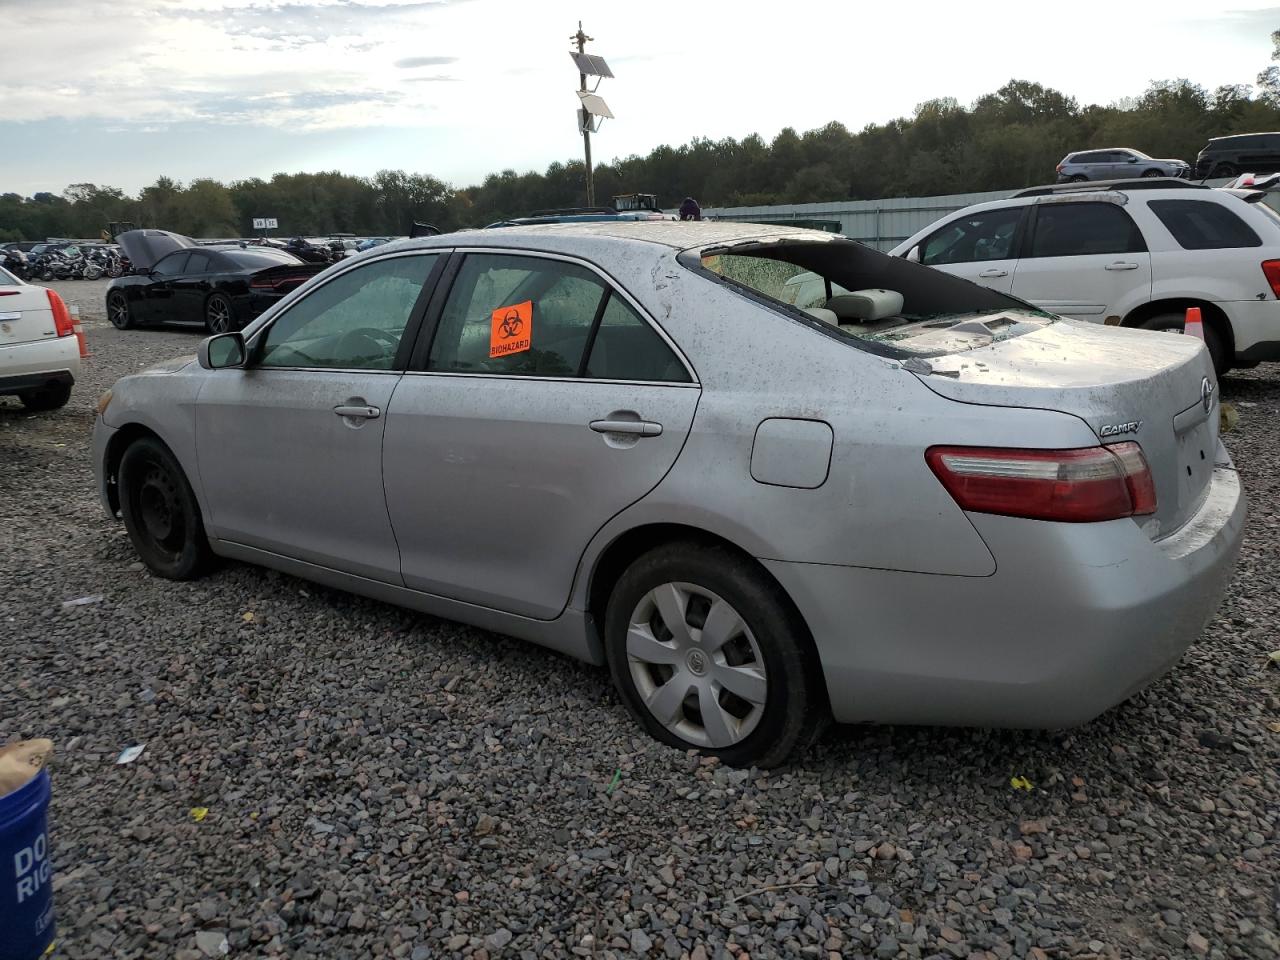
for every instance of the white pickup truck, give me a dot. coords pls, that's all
(41, 345)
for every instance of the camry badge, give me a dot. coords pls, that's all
(1116, 429)
(1206, 394)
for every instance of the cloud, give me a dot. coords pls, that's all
(409, 62)
(434, 79)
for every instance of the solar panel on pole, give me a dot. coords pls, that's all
(591, 65)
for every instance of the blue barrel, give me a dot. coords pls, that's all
(26, 875)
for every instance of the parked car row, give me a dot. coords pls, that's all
(1222, 157)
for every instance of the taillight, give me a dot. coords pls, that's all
(64, 323)
(1058, 168)
(1084, 485)
(1271, 270)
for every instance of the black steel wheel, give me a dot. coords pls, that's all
(160, 512)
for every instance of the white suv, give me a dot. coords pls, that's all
(41, 345)
(1132, 253)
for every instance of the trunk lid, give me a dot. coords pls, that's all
(25, 315)
(145, 247)
(1155, 389)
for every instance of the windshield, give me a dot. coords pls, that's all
(902, 308)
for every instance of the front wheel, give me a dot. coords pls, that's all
(1176, 323)
(160, 512)
(118, 310)
(1153, 173)
(1224, 170)
(707, 653)
(218, 315)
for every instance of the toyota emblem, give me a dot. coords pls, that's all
(1206, 394)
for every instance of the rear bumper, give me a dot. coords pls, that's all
(1076, 618)
(40, 363)
(1255, 326)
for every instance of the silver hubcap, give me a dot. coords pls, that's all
(696, 665)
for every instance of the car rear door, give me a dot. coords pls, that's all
(547, 403)
(1083, 259)
(980, 246)
(290, 446)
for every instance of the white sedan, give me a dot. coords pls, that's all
(41, 345)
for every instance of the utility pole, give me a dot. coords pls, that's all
(581, 39)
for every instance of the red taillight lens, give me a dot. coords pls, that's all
(65, 324)
(1070, 486)
(61, 315)
(1271, 270)
(1058, 168)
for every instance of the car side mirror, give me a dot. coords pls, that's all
(913, 254)
(222, 351)
(1133, 159)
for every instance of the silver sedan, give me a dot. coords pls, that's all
(899, 497)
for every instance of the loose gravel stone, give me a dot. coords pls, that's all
(382, 784)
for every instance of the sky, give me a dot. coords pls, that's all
(120, 92)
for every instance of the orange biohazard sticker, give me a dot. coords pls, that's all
(511, 329)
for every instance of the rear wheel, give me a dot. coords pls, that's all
(160, 512)
(707, 654)
(47, 398)
(1077, 178)
(118, 310)
(218, 315)
(1176, 323)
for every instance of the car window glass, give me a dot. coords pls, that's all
(171, 265)
(627, 348)
(353, 322)
(521, 316)
(1080, 229)
(199, 263)
(973, 238)
(1204, 225)
(773, 278)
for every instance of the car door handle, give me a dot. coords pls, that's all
(640, 428)
(1121, 265)
(358, 411)
(994, 273)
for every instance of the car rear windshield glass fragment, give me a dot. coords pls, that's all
(888, 305)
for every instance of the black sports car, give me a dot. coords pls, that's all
(174, 278)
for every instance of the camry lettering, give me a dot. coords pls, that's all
(1118, 429)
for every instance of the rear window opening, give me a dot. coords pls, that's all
(884, 304)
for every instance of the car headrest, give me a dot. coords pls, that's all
(823, 314)
(866, 306)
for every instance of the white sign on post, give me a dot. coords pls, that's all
(265, 223)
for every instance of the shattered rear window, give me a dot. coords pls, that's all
(886, 304)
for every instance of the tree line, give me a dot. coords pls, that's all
(1005, 140)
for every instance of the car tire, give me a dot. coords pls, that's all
(219, 317)
(1077, 178)
(1154, 173)
(1176, 323)
(52, 397)
(777, 705)
(160, 512)
(118, 310)
(1223, 170)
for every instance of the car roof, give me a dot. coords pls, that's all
(676, 234)
(1238, 136)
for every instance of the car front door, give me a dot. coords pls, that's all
(980, 246)
(547, 404)
(290, 446)
(156, 305)
(1084, 260)
(191, 286)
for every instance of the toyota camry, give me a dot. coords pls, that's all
(896, 497)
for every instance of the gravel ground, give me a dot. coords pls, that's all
(380, 783)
